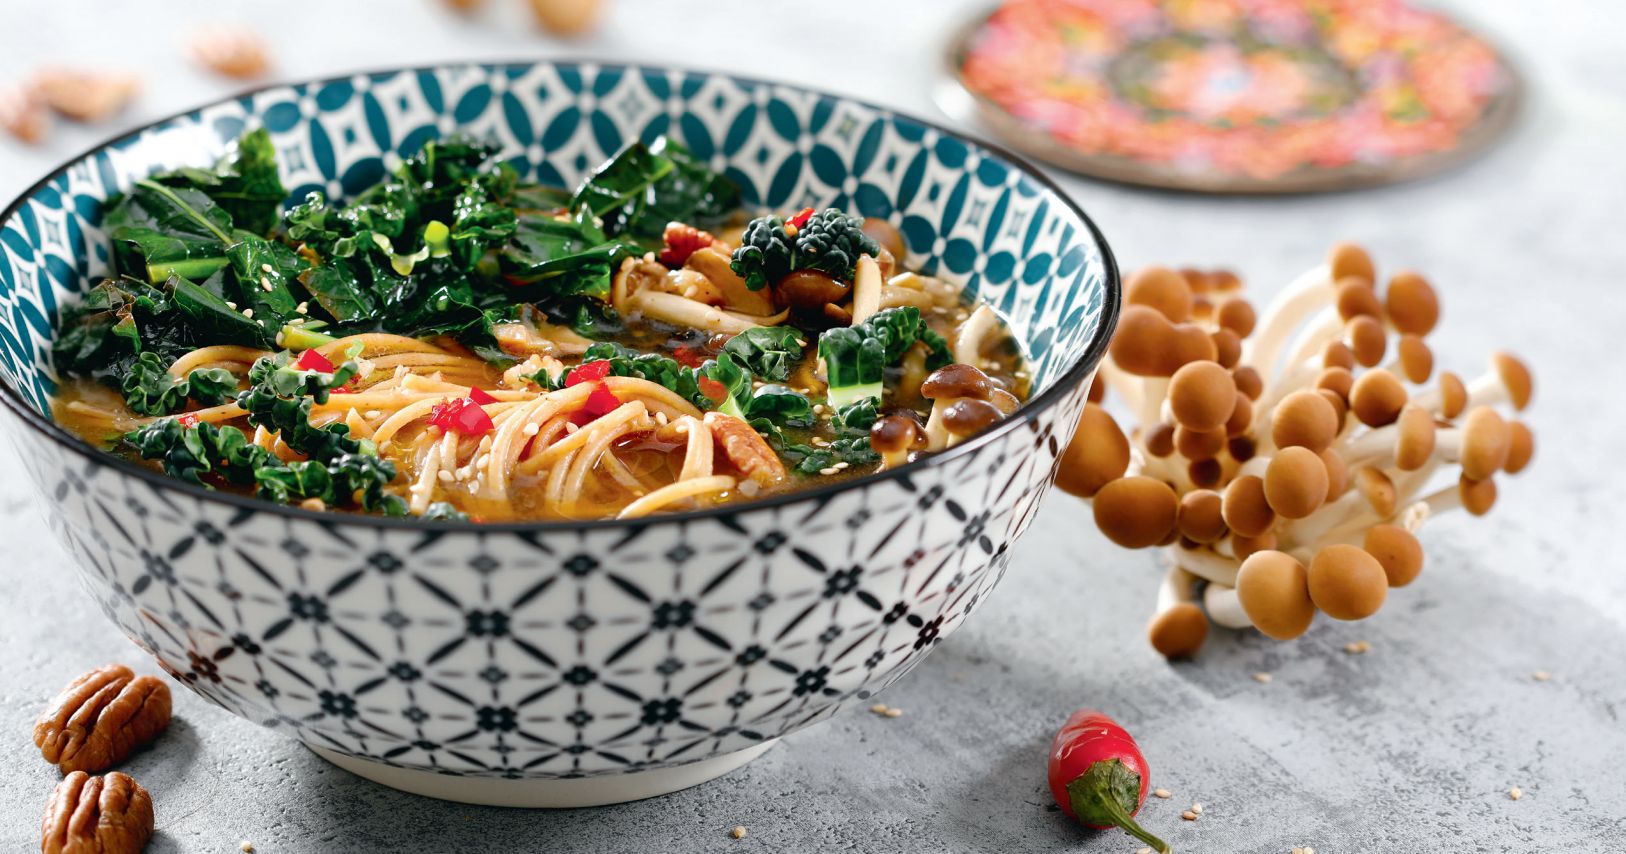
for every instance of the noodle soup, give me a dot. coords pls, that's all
(454, 343)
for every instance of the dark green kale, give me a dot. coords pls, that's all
(770, 352)
(658, 369)
(831, 242)
(149, 389)
(245, 184)
(643, 188)
(765, 253)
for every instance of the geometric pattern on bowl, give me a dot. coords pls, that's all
(565, 650)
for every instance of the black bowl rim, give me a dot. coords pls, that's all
(159, 481)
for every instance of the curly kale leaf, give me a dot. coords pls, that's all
(770, 352)
(189, 453)
(811, 460)
(831, 242)
(765, 253)
(149, 389)
(441, 511)
(245, 184)
(280, 398)
(658, 369)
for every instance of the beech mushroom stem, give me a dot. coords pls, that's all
(1204, 563)
(1224, 607)
(1312, 289)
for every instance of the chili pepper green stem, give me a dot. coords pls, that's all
(1107, 795)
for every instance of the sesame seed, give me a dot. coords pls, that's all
(828, 471)
(1541, 676)
(571, 427)
(246, 847)
(445, 476)
(266, 268)
(738, 832)
(1262, 678)
(1163, 793)
(1515, 793)
(1357, 647)
(661, 419)
(231, 305)
(841, 465)
(1143, 850)
(248, 313)
(878, 708)
(892, 713)
(265, 284)
(303, 308)
(1197, 808)
(532, 429)
(1188, 815)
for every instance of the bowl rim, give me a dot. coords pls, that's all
(1064, 384)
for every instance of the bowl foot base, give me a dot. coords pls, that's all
(546, 794)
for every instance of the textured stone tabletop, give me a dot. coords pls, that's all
(1410, 747)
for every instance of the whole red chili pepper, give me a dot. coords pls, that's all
(1098, 776)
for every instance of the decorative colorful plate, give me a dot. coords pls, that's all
(1241, 96)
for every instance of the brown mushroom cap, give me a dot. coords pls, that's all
(1237, 315)
(1205, 474)
(1241, 448)
(956, 380)
(1241, 417)
(1453, 395)
(1415, 445)
(1336, 354)
(1160, 440)
(1416, 359)
(1304, 418)
(1516, 377)
(1478, 496)
(1098, 388)
(1295, 482)
(1242, 546)
(1201, 308)
(1337, 380)
(1245, 507)
(1412, 304)
(1202, 396)
(1201, 517)
(1201, 281)
(1377, 489)
(1366, 340)
(1162, 289)
(968, 416)
(1377, 398)
(1179, 631)
(1337, 473)
(1274, 591)
(809, 290)
(1199, 444)
(1097, 455)
(1248, 381)
(1224, 281)
(1340, 406)
(1486, 441)
(886, 234)
(1148, 345)
(895, 433)
(1399, 553)
(1136, 512)
(1347, 583)
(1227, 347)
(1347, 259)
(1521, 447)
(1356, 299)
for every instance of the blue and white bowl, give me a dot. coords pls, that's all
(565, 664)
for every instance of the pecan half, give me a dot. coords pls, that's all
(96, 815)
(103, 715)
(23, 113)
(231, 52)
(746, 448)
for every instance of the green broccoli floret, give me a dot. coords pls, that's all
(831, 242)
(856, 357)
(764, 256)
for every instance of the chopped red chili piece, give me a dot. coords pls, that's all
(190, 419)
(587, 372)
(600, 402)
(681, 241)
(688, 356)
(801, 217)
(461, 416)
(310, 360)
(479, 395)
(713, 389)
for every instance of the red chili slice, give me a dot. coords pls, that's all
(681, 241)
(600, 402)
(190, 419)
(587, 372)
(479, 395)
(801, 217)
(310, 360)
(461, 416)
(688, 356)
(713, 389)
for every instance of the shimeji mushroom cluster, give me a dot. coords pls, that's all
(1285, 461)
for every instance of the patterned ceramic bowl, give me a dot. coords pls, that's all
(554, 664)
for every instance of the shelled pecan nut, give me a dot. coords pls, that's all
(101, 717)
(96, 815)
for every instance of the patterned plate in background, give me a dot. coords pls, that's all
(1239, 96)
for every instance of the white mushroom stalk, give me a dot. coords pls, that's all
(1278, 495)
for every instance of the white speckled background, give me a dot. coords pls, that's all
(1408, 748)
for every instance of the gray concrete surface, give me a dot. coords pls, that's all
(1408, 748)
